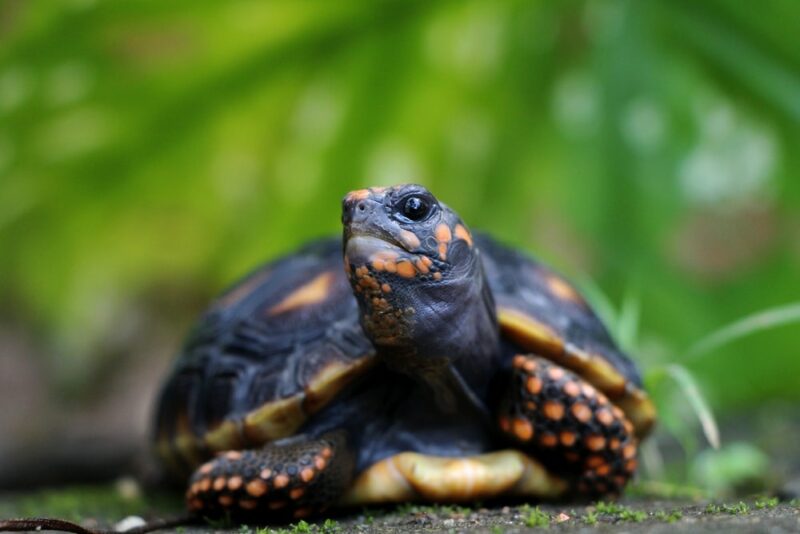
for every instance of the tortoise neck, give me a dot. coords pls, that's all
(457, 344)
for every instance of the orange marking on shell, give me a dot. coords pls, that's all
(307, 474)
(548, 440)
(588, 391)
(391, 266)
(386, 288)
(629, 451)
(225, 500)
(296, 493)
(247, 504)
(234, 483)
(594, 461)
(266, 473)
(581, 412)
(327, 452)
(620, 481)
(530, 406)
(281, 481)
(614, 444)
(595, 442)
(617, 412)
(522, 429)
(421, 267)
(378, 265)
(233, 455)
(206, 468)
(530, 365)
(195, 504)
(567, 438)
(220, 483)
(534, 385)
(572, 389)
(205, 485)
(406, 269)
(275, 505)
(313, 292)
(605, 417)
(553, 410)
(256, 487)
(519, 361)
(555, 373)
(442, 251)
(409, 239)
(603, 470)
(437, 276)
(463, 233)
(426, 260)
(562, 290)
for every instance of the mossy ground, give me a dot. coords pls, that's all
(103, 506)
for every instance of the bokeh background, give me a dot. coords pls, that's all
(152, 152)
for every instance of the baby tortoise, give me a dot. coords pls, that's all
(437, 365)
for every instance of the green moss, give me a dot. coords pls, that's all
(668, 517)
(609, 508)
(534, 517)
(590, 518)
(619, 512)
(635, 516)
(739, 508)
(766, 502)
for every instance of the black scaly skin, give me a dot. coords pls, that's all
(570, 426)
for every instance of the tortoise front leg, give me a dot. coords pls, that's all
(567, 423)
(295, 477)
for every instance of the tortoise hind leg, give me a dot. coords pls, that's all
(295, 477)
(563, 420)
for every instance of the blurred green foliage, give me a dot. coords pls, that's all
(151, 152)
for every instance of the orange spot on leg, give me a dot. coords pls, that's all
(534, 385)
(522, 429)
(256, 488)
(553, 410)
(581, 412)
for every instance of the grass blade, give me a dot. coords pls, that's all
(686, 382)
(627, 328)
(751, 324)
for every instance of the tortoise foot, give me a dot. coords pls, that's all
(291, 478)
(566, 422)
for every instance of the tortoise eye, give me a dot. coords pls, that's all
(415, 208)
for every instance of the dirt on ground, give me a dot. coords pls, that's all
(760, 514)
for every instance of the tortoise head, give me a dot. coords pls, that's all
(418, 278)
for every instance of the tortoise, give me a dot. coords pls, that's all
(438, 366)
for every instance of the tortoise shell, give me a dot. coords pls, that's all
(278, 347)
